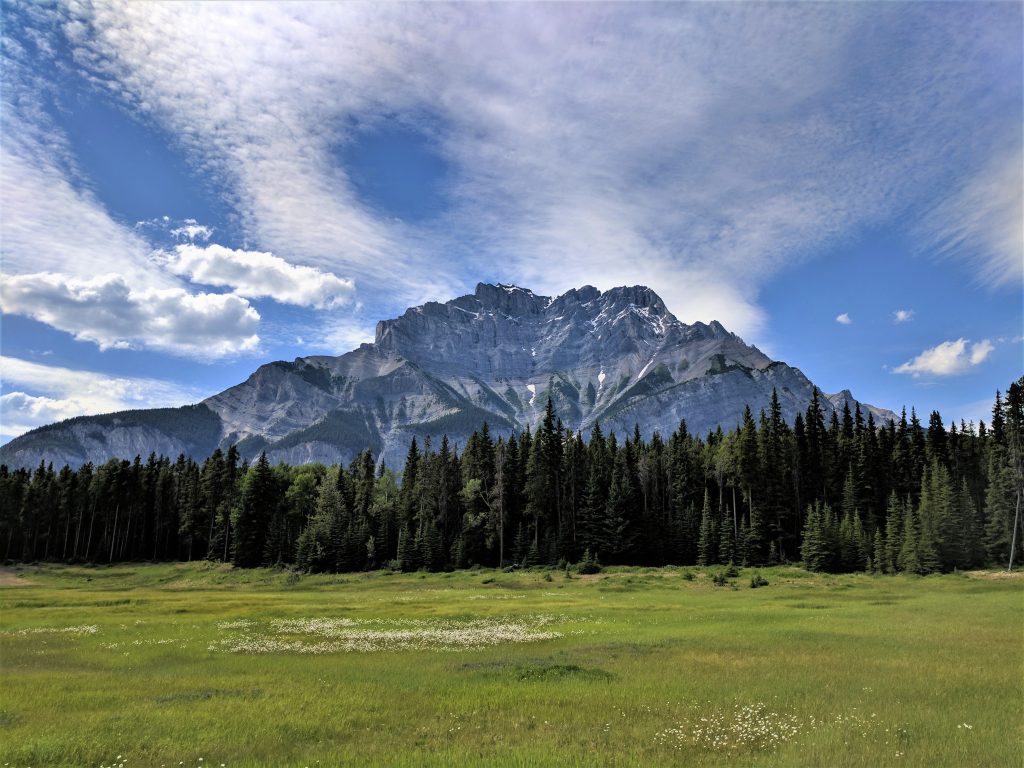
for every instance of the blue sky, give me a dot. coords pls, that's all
(190, 190)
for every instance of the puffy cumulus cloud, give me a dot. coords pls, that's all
(21, 412)
(57, 237)
(844, 319)
(948, 358)
(903, 315)
(736, 140)
(255, 274)
(62, 393)
(192, 230)
(980, 351)
(107, 311)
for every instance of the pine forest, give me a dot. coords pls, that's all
(841, 494)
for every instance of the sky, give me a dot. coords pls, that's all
(188, 191)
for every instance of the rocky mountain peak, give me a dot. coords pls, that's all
(637, 295)
(510, 299)
(616, 357)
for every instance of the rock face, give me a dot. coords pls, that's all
(618, 357)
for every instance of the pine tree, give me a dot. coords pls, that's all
(407, 560)
(908, 558)
(259, 499)
(878, 561)
(970, 550)
(931, 520)
(815, 550)
(862, 547)
(612, 532)
(726, 541)
(893, 539)
(431, 549)
(408, 501)
(317, 545)
(706, 551)
(1000, 499)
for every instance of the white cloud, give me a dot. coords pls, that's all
(844, 319)
(49, 224)
(343, 336)
(902, 315)
(699, 148)
(51, 220)
(980, 351)
(254, 274)
(59, 243)
(62, 393)
(983, 222)
(107, 311)
(947, 359)
(165, 230)
(20, 412)
(234, 104)
(192, 230)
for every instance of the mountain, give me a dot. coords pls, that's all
(618, 357)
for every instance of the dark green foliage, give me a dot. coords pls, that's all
(706, 547)
(349, 430)
(819, 550)
(258, 503)
(900, 497)
(589, 564)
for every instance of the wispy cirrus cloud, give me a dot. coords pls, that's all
(60, 245)
(983, 221)
(740, 139)
(948, 358)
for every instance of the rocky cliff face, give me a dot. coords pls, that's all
(618, 357)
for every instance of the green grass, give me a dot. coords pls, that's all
(645, 668)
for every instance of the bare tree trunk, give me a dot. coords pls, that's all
(92, 525)
(113, 536)
(78, 534)
(1016, 524)
(227, 534)
(209, 539)
(127, 534)
(67, 535)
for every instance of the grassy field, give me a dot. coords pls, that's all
(203, 665)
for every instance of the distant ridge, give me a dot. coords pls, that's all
(617, 357)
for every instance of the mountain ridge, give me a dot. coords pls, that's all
(618, 357)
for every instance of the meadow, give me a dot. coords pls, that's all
(208, 665)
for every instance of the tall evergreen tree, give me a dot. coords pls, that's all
(259, 498)
(706, 548)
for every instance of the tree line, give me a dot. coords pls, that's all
(837, 494)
